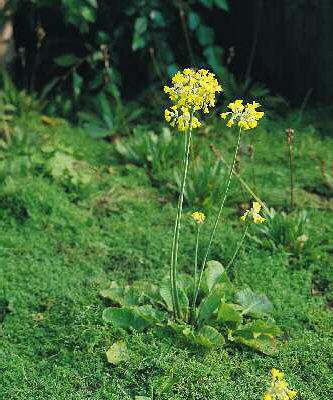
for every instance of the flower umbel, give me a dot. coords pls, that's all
(180, 118)
(279, 389)
(193, 89)
(198, 217)
(246, 117)
(254, 212)
(190, 91)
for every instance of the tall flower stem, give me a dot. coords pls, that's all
(227, 185)
(175, 241)
(238, 247)
(196, 264)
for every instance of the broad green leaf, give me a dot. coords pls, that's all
(210, 303)
(88, 14)
(207, 3)
(158, 18)
(193, 20)
(253, 304)
(205, 35)
(115, 295)
(140, 25)
(223, 4)
(213, 273)
(165, 293)
(150, 314)
(126, 318)
(228, 313)
(208, 336)
(178, 327)
(138, 42)
(77, 84)
(184, 303)
(258, 328)
(117, 353)
(66, 60)
(263, 344)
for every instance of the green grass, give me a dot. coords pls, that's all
(60, 245)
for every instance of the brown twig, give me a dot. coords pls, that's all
(290, 140)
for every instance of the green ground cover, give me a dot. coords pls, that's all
(67, 232)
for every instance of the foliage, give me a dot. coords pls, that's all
(224, 314)
(98, 39)
(289, 231)
(104, 118)
(155, 152)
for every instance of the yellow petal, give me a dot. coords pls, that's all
(256, 207)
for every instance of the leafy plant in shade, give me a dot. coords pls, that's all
(206, 309)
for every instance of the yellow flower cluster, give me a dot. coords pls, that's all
(190, 91)
(254, 212)
(180, 118)
(246, 117)
(278, 389)
(198, 217)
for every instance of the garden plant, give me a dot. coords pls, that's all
(206, 307)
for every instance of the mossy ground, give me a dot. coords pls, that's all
(60, 245)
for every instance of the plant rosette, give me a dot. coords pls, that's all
(223, 315)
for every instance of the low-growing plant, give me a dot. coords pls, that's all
(155, 152)
(205, 308)
(203, 187)
(287, 231)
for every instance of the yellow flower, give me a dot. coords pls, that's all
(180, 118)
(257, 219)
(193, 91)
(278, 389)
(246, 117)
(274, 372)
(292, 394)
(198, 217)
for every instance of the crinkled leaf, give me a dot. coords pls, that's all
(150, 314)
(210, 303)
(213, 273)
(258, 328)
(66, 60)
(208, 336)
(253, 304)
(228, 313)
(128, 296)
(165, 293)
(263, 344)
(117, 353)
(126, 318)
(115, 295)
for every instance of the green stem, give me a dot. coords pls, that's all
(196, 263)
(175, 241)
(218, 215)
(238, 247)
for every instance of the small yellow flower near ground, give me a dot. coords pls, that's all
(191, 90)
(198, 217)
(257, 218)
(246, 117)
(278, 389)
